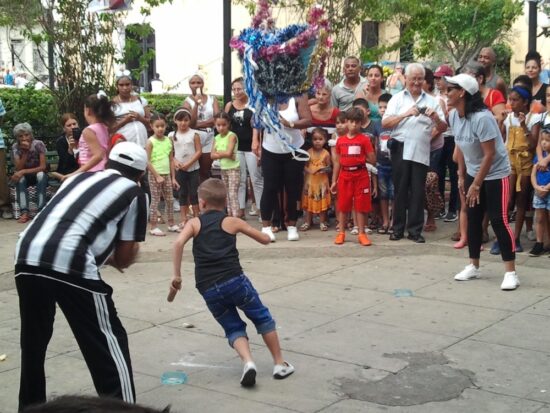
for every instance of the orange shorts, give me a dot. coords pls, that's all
(354, 191)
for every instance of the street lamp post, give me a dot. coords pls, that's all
(532, 40)
(226, 51)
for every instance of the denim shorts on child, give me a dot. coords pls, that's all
(541, 203)
(385, 182)
(224, 298)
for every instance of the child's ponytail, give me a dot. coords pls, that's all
(101, 107)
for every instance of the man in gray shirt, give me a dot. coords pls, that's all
(487, 57)
(343, 93)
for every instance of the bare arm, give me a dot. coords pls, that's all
(236, 225)
(502, 87)
(150, 167)
(335, 170)
(189, 231)
(229, 153)
(124, 255)
(304, 114)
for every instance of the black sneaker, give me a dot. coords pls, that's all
(441, 215)
(450, 217)
(537, 250)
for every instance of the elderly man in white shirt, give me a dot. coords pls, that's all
(414, 117)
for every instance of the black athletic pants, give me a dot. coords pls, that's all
(409, 180)
(493, 199)
(95, 325)
(280, 172)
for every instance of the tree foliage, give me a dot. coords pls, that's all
(84, 44)
(454, 29)
(459, 28)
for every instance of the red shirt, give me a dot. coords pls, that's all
(353, 151)
(493, 98)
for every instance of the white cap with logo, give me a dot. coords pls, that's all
(465, 81)
(129, 154)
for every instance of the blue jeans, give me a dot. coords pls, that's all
(41, 181)
(385, 182)
(224, 298)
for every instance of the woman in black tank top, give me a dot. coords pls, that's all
(241, 125)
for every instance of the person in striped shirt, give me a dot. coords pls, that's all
(93, 219)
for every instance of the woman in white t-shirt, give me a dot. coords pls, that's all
(202, 108)
(483, 170)
(132, 115)
(280, 169)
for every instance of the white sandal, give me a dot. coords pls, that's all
(282, 371)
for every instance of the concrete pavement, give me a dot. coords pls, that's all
(369, 329)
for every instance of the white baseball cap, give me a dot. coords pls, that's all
(129, 154)
(465, 81)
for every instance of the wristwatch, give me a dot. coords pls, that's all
(291, 124)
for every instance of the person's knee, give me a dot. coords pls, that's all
(235, 335)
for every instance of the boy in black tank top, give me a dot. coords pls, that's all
(221, 281)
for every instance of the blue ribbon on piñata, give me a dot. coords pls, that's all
(281, 63)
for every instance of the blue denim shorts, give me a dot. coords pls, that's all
(541, 203)
(224, 298)
(385, 183)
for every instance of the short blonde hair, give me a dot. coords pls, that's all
(213, 192)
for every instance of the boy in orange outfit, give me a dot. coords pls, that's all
(350, 177)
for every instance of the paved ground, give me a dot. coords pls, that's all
(383, 328)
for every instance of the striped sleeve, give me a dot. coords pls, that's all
(134, 224)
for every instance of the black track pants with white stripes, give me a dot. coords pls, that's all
(95, 325)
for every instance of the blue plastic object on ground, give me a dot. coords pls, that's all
(173, 378)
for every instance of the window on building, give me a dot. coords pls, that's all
(369, 34)
(39, 56)
(17, 49)
(406, 51)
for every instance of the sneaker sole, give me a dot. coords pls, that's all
(467, 279)
(281, 377)
(509, 288)
(249, 378)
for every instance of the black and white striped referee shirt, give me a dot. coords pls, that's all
(77, 230)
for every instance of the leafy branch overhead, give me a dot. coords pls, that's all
(452, 30)
(87, 47)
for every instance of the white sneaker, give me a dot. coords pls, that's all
(510, 281)
(468, 273)
(248, 379)
(531, 236)
(253, 210)
(267, 230)
(7, 215)
(292, 233)
(174, 228)
(157, 232)
(282, 371)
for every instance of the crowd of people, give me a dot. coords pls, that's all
(389, 175)
(405, 118)
(378, 156)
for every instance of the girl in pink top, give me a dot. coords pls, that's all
(93, 144)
